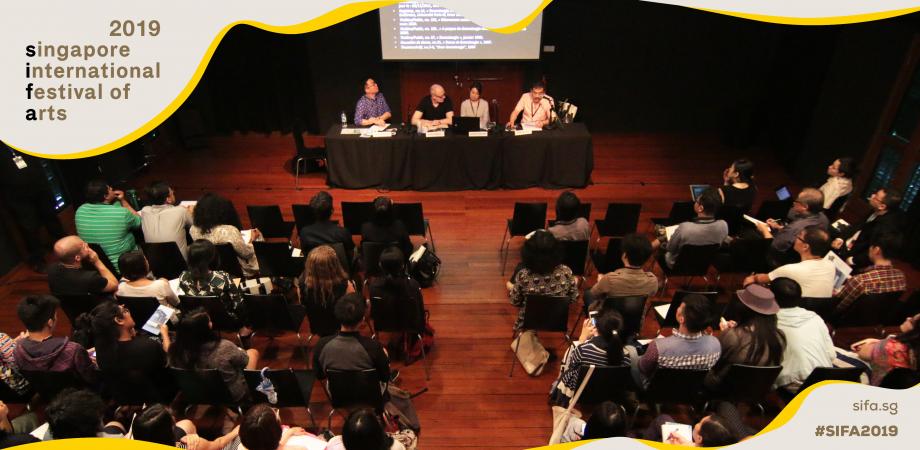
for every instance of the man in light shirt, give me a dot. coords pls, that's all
(536, 106)
(163, 220)
(815, 275)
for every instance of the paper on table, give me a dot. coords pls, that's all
(685, 431)
(530, 126)
(306, 442)
(662, 310)
(174, 284)
(188, 203)
(842, 269)
(375, 128)
(159, 317)
(753, 220)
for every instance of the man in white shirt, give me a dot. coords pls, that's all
(162, 220)
(537, 109)
(814, 274)
(810, 344)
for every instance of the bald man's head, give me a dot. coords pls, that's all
(69, 249)
(436, 90)
(812, 199)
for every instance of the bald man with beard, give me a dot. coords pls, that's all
(434, 111)
(79, 270)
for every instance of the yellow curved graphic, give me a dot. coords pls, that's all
(815, 21)
(94, 443)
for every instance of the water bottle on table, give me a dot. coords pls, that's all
(344, 120)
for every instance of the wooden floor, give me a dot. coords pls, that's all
(471, 402)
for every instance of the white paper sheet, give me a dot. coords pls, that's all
(662, 310)
(159, 317)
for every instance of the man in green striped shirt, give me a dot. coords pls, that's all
(107, 219)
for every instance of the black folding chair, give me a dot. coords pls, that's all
(271, 315)
(543, 313)
(527, 217)
(204, 387)
(677, 386)
(370, 256)
(575, 256)
(748, 384)
(606, 383)
(743, 256)
(275, 260)
(105, 259)
(390, 316)
(584, 211)
(633, 309)
(670, 320)
(9, 396)
(142, 308)
(229, 262)
(680, 212)
(692, 261)
(348, 389)
(871, 310)
(823, 307)
(774, 209)
(303, 216)
(214, 306)
(49, 384)
(900, 378)
(620, 220)
(75, 304)
(294, 387)
(269, 221)
(305, 154)
(733, 217)
(355, 214)
(820, 374)
(136, 387)
(834, 210)
(413, 217)
(609, 260)
(165, 259)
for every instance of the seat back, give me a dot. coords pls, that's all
(527, 217)
(584, 211)
(694, 260)
(142, 308)
(353, 388)
(75, 304)
(275, 260)
(681, 212)
(202, 387)
(48, 384)
(871, 310)
(606, 383)
(676, 385)
(228, 260)
(744, 383)
(293, 386)
(671, 319)
(271, 313)
(832, 212)
(774, 209)
(820, 374)
(165, 259)
(268, 219)
(901, 378)
(136, 387)
(733, 216)
(105, 259)
(546, 313)
(220, 319)
(303, 216)
(633, 310)
(355, 214)
(748, 256)
(385, 314)
(620, 219)
(823, 307)
(412, 217)
(370, 255)
(575, 255)
(9, 396)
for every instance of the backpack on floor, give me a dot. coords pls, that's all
(424, 266)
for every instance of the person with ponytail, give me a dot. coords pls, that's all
(600, 343)
(399, 292)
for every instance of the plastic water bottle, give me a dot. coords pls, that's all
(266, 387)
(344, 120)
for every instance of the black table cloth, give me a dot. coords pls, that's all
(551, 159)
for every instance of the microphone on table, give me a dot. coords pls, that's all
(552, 117)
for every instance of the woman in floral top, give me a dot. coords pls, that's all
(200, 280)
(543, 273)
(9, 374)
(215, 219)
(892, 352)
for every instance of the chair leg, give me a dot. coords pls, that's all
(514, 356)
(329, 419)
(303, 349)
(504, 250)
(581, 314)
(425, 362)
(297, 162)
(312, 420)
(430, 235)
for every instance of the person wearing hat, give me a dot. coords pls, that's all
(753, 339)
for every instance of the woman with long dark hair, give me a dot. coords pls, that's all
(738, 188)
(754, 339)
(600, 344)
(895, 351)
(323, 282)
(384, 227)
(215, 219)
(197, 346)
(401, 294)
(202, 280)
(158, 425)
(363, 431)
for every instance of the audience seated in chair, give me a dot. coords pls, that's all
(107, 219)
(156, 424)
(879, 278)
(839, 180)
(886, 218)
(260, 429)
(568, 226)
(79, 270)
(711, 431)
(892, 352)
(9, 372)
(347, 350)
(806, 212)
(200, 280)
(15, 432)
(814, 274)
(753, 339)
(384, 227)
(40, 350)
(396, 285)
(630, 279)
(135, 283)
(118, 347)
(324, 281)
(687, 348)
(703, 230)
(78, 414)
(607, 421)
(216, 220)
(164, 221)
(542, 272)
(738, 188)
(363, 430)
(810, 343)
(599, 344)
(324, 230)
(198, 347)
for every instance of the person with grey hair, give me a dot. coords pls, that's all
(434, 110)
(806, 211)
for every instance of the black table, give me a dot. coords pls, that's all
(551, 159)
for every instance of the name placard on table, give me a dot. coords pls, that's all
(479, 134)
(431, 134)
(352, 130)
(522, 132)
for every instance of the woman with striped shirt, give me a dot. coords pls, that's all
(600, 344)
